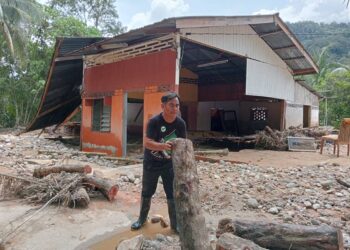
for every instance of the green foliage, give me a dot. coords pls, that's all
(330, 46)
(21, 86)
(15, 19)
(102, 14)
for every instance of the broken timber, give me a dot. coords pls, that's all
(191, 222)
(284, 236)
(212, 152)
(108, 189)
(44, 171)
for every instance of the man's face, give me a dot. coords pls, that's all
(171, 108)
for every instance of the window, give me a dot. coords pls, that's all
(101, 116)
(258, 114)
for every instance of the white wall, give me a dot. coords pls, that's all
(294, 115)
(269, 80)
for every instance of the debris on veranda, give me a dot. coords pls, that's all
(278, 140)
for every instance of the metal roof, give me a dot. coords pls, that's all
(62, 90)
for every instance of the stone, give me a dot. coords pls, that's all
(316, 206)
(326, 185)
(252, 203)
(132, 244)
(307, 204)
(273, 210)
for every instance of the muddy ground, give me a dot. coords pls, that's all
(290, 187)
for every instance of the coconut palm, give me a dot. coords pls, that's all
(15, 19)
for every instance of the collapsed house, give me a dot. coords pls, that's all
(233, 74)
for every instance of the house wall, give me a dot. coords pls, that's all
(273, 119)
(152, 73)
(132, 74)
(104, 142)
(294, 109)
(267, 74)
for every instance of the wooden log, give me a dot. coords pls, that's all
(229, 241)
(191, 222)
(213, 160)
(80, 198)
(44, 171)
(108, 189)
(212, 152)
(284, 236)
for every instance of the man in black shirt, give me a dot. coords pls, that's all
(161, 129)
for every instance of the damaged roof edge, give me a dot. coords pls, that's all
(48, 78)
(296, 42)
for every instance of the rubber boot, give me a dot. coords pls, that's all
(172, 215)
(145, 206)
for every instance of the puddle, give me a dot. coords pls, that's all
(149, 230)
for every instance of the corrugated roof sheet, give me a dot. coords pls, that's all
(62, 88)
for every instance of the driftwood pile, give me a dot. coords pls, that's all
(277, 140)
(69, 185)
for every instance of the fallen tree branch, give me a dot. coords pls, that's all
(44, 171)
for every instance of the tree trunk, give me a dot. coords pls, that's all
(191, 222)
(80, 198)
(44, 171)
(284, 236)
(108, 189)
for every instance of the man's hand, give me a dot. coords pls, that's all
(166, 146)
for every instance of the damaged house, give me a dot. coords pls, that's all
(234, 74)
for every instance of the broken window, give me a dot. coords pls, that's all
(258, 114)
(101, 115)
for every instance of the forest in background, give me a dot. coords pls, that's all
(29, 30)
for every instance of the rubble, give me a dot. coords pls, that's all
(226, 188)
(277, 140)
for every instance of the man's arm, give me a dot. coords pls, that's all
(156, 146)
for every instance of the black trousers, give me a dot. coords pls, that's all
(150, 180)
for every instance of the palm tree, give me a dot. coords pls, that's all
(15, 19)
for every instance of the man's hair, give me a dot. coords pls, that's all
(169, 96)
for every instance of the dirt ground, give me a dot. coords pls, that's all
(103, 223)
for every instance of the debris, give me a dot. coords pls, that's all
(44, 171)
(283, 236)
(221, 152)
(108, 189)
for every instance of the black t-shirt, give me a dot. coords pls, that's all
(161, 131)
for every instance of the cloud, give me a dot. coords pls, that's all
(159, 9)
(317, 10)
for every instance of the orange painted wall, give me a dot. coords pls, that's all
(152, 105)
(104, 142)
(135, 73)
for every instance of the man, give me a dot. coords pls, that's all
(161, 129)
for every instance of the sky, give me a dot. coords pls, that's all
(138, 13)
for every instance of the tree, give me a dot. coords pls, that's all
(15, 19)
(21, 87)
(102, 14)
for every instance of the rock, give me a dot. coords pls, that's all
(339, 194)
(137, 181)
(273, 210)
(292, 185)
(131, 177)
(316, 206)
(326, 185)
(132, 244)
(228, 241)
(252, 203)
(307, 204)
(156, 218)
